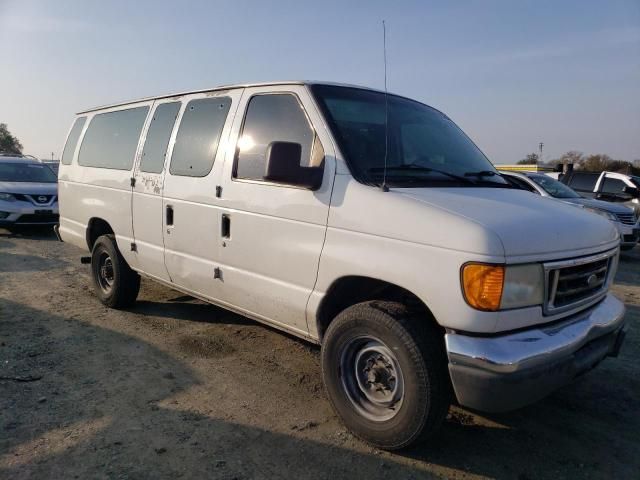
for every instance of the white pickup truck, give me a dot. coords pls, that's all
(365, 222)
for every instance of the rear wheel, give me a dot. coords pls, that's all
(385, 372)
(115, 284)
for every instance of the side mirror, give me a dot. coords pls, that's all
(283, 166)
(634, 192)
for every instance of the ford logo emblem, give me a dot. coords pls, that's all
(593, 278)
(42, 199)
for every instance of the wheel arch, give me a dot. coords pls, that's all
(350, 290)
(95, 228)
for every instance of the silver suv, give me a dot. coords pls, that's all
(28, 192)
(623, 217)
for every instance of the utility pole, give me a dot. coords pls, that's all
(540, 156)
(52, 156)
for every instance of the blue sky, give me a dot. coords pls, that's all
(510, 73)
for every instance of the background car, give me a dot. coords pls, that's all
(608, 186)
(624, 218)
(28, 192)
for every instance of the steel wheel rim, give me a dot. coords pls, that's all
(372, 378)
(106, 275)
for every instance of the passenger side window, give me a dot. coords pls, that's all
(613, 185)
(583, 181)
(274, 118)
(198, 136)
(155, 146)
(112, 139)
(72, 141)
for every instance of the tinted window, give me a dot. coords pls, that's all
(583, 181)
(72, 141)
(112, 139)
(26, 172)
(155, 146)
(613, 185)
(198, 136)
(271, 118)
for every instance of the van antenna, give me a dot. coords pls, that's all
(386, 109)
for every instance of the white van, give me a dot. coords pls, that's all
(367, 223)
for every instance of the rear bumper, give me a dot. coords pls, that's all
(495, 374)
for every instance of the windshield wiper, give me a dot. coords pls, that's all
(482, 173)
(419, 168)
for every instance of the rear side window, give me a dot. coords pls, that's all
(155, 146)
(613, 185)
(72, 141)
(112, 139)
(583, 181)
(198, 136)
(271, 118)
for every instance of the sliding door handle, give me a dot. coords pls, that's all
(225, 226)
(169, 215)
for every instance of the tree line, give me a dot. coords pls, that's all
(595, 162)
(8, 142)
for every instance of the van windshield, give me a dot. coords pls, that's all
(26, 172)
(423, 146)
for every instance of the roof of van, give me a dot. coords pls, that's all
(226, 87)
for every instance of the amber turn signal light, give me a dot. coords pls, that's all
(482, 285)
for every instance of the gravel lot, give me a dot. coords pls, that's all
(178, 388)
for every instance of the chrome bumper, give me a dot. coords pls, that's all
(506, 372)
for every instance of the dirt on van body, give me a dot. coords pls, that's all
(175, 388)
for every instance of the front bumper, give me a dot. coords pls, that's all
(495, 374)
(24, 213)
(628, 234)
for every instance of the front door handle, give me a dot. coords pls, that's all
(225, 226)
(169, 215)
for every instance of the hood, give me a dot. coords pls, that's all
(29, 188)
(606, 206)
(525, 224)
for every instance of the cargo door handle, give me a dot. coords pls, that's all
(225, 226)
(169, 215)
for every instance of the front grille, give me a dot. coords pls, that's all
(38, 218)
(41, 199)
(35, 199)
(626, 218)
(578, 281)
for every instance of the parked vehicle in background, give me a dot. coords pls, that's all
(28, 192)
(365, 222)
(53, 165)
(623, 217)
(608, 186)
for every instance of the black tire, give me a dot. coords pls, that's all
(115, 284)
(417, 360)
(626, 248)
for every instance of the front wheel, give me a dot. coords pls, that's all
(385, 371)
(115, 284)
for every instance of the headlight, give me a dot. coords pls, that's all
(602, 213)
(7, 197)
(500, 287)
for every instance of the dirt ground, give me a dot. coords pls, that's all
(175, 388)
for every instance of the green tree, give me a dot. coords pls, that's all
(531, 159)
(8, 143)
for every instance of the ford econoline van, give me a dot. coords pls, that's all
(364, 222)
